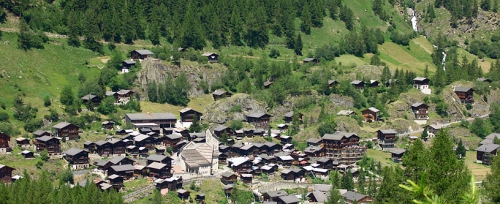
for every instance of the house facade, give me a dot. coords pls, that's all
(93, 99)
(6, 173)
(386, 138)
(140, 54)
(343, 146)
(212, 57)
(466, 95)
(259, 120)
(64, 129)
(164, 120)
(77, 158)
(220, 94)
(420, 110)
(370, 114)
(5, 143)
(51, 144)
(486, 152)
(188, 114)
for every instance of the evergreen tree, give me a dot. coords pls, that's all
(347, 181)
(415, 160)
(480, 127)
(389, 191)
(335, 179)
(67, 97)
(485, 5)
(491, 184)
(295, 124)
(317, 10)
(347, 16)
(195, 126)
(257, 34)
(154, 33)
(424, 136)
(460, 151)
(152, 92)
(335, 197)
(192, 35)
(306, 21)
(375, 60)
(298, 45)
(495, 6)
(236, 27)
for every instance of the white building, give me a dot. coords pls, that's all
(200, 158)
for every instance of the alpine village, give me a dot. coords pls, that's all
(251, 101)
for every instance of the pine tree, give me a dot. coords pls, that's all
(236, 27)
(298, 45)
(67, 97)
(317, 10)
(415, 160)
(347, 181)
(424, 136)
(495, 6)
(460, 151)
(335, 179)
(195, 126)
(295, 123)
(491, 184)
(486, 5)
(153, 92)
(335, 197)
(154, 33)
(192, 35)
(306, 21)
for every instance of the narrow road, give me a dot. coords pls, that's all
(445, 125)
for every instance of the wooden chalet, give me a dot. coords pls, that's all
(183, 194)
(292, 173)
(344, 147)
(373, 83)
(200, 198)
(259, 120)
(354, 197)
(288, 117)
(51, 144)
(164, 120)
(420, 110)
(220, 94)
(41, 133)
(285, 160)
(314, 151)
(332, 83)
(89, 98)
(126, 171)
(360, 85)
(6, 173)
(124, 95)
(314, 141)
(433, 129)
(310, 60)
(240, 165)
(160, 159)
(228, 178)
(397, 155)
(159, 170)
(108, 125)
(140, 54)
(421, 83)
(490, 138)
(64, 129)
(482, 79)
(289, 199)
(317, 197)
(28, 154)
(5, 143)
(89, 146)
(285, 139)
(370, 114)
(212, 57)
(267, 84)
(271, 196)
(77, 158)
(144, 141)
(219, 130)
(172, 183)
(326, 163)
(466, 95)
(110, 146)
(188, 114)
(116, 181)
(112, 94)
(486, 152)
(23, 142)
(126, 65)
(172, 140)
(386, 138)
(246, 178)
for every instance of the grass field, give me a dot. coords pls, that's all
(383, 157)
(413, 58)
(198, 104)
(478, 170)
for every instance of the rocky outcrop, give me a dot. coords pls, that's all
(342, 101)
(402, 107)
(156, 70)
(347, 124)
(222, 110)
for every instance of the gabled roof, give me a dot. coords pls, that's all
(289, 199)
(338, 135)
(123, 91)
(219, 92)
(45, 138)
(279, 193)
(40, 132)
(114, 176)
(173, 136)
(88, 97)
(220, 128)
(126, 167)
(388, 131)
(487, 148)
(257, 115)
(314, 140)
(61, 125)
(353, 196)
(289, 114)
(355, 82)
(227, 174)
(322, 187)
(187, 109)
(372, 109)
(129, 61)
(156, 157)
(117, 159)
(309, 59)
(483, 79)
(461, 89)
(73, 151)
(416, 105)
(320, 196)
(420, 79)
(206, 54)
(4, 166)
(156, 165)
(100, 142)
(140, 137)
(144, 52)
(345, 112)
(110, 93)
(332, 81)
(151, 116)
(398, 151)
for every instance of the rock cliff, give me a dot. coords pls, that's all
(223, 110)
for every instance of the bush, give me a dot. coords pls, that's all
(4, 116)
(44, 155)
(468, 106)
(236, 124)
(46, 101)
(274, 53)
(236, 109)
(32, 125)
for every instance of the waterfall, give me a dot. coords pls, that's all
(413, 20)
(444, 60)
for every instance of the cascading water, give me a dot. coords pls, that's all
(443, 62)
(414, 20)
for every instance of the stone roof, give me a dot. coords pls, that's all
(289, 199)
(289, 114)
(314, 140)
(353, 196)
(419, 79)
(398, 151)
(461, 89)
(141, 137)
(45, 138)
(219, 92)
(388, 131)
(415, 105)
(151, 116)
(126, 167)
(206, 54)
(279, 193)
(257, 115)
(156, 157)
(338, 135)
(355, 82)
(487, 148)
(322, 187)
(156, 165)
(345, 112)
(73, 151)
(61, 125)
(144, 52)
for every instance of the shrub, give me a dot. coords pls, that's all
(4, 116)
(274, 53)
(236, 124)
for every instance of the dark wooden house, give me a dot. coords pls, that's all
(219, 130)
(358, 84)
(126, 65)
(420, 110)
(124, 95)
(288, 117)
(289, 199)
(172, 140)
(228, 178)
(482, 79)
(41, 133)
(259, 120)
(64, 129)
(140, 54)
(220, 94)
(160, 159)
(273, 196)
(164, 120)
(126, 171)
(332, 83)
(246, 178)
(386, 138)
(421, 83)
(370, 114)
(6, 173)
(397, 155)
(159, 170)
(144, 141)
(188, 114)
(374, 83)
(116, 181)
(89, 98)
(183, 194)
(108, 125)
(354, 197)
(344, 147)
(28, 154)
(51, 144)
(466, 95)
(486, 152)
(212, 57)
(310, 60)
(77, 158)
(5, 142)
